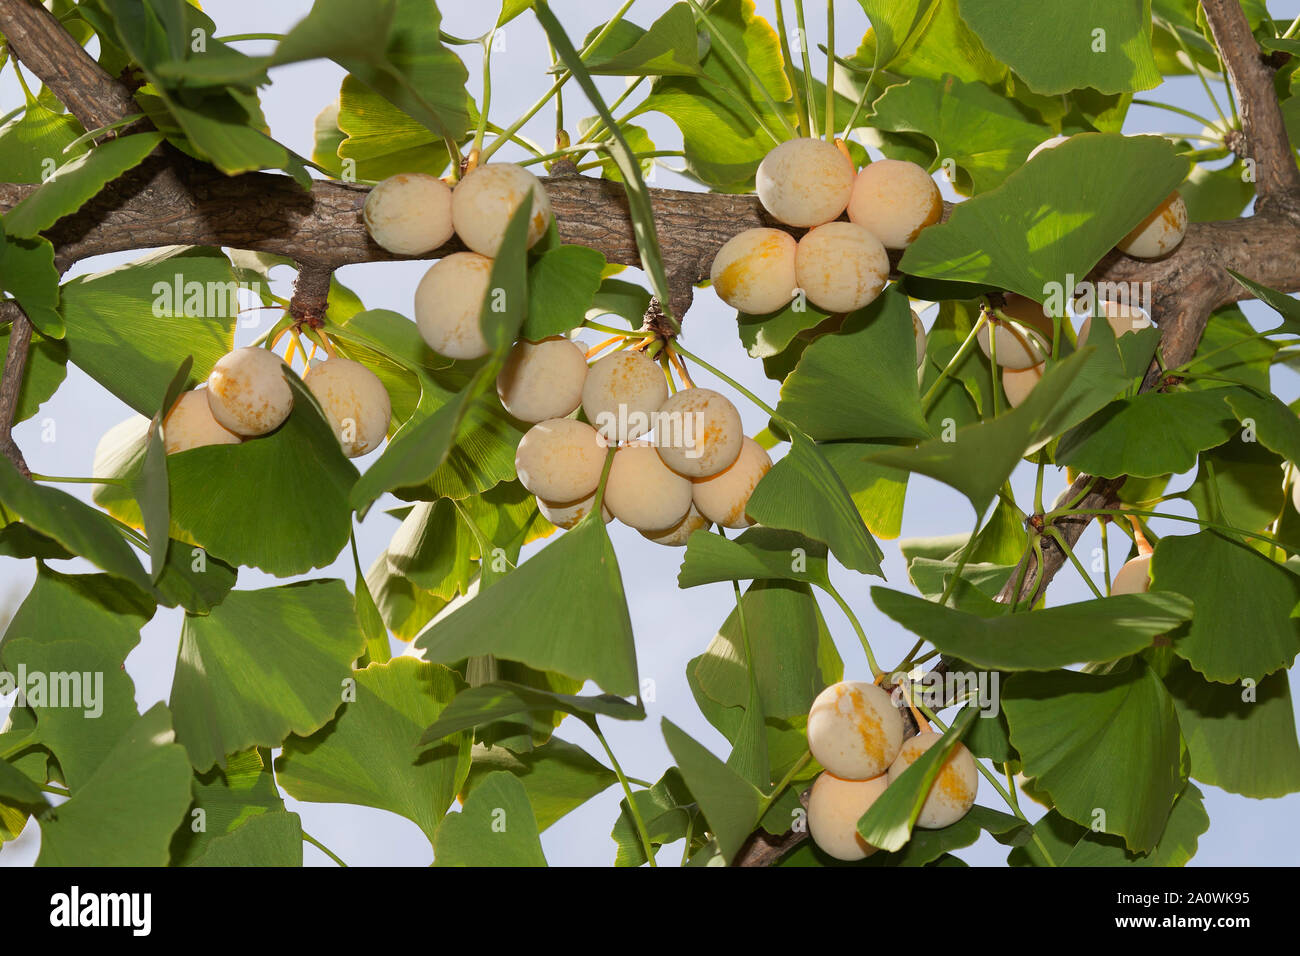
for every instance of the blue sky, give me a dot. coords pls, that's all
(671, 625)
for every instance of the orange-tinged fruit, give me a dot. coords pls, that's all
(1134, 577)
(953, 792)
(854, 730)
(754, 271)
(409, 214)
(1159, 233)
(190, 424)
(485, 199)
(354, 401)
(542, 380)
(621, 394)
(723, 498)
(643, 492)
(841, 266)
(834, 808)
(560, 459)
(247, 391)
(698, 432)
(804, 182)
(894, 200)
(449, 302)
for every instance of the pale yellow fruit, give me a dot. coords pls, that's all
(643, 492)
(1134, 577)
(1018, 383)
(354, 401)
(622, 393)
(841, 267)
(723, 498)
(895, 200)
(1123, 319)
(680, 533)
(854, 730)
(918, 330)
(567, 514)
(449, 303)
(1159, 233)
(560, 459)
(804, 182)
(190, 424)
(409, 214)
(754, 271)
(1046, 144)
(953, 792)
(698, 432)
(834, 808)
(248, 393)
(542, 380)
(1023, 333)
(483, 202)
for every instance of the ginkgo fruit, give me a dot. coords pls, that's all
(1159, 233)
(485, 199)
(895, 200)
(190, 424)
(622, 393)
(953, 792)
(449, 303)
(840, 266)
(560, 459)
(834, 807)
(1134, 577)
(854, 730)
(698, 432)
(1022, 333)
(723, 498)
(643, 492)
(542, 380)
(680, 533)
(354, 401)
(918, 331)
(409, 214)
(1018, 383)
(247, 391)
(804, 182)
(754, 271)
(1123, 319)
(567, 514)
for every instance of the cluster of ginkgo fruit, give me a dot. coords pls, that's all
(856, 733)
(698, 469)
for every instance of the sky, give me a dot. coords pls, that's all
(671, 625)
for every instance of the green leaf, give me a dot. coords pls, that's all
(758, 554)
(557, 776)
(877, 490)
(562, 284)
(730, 804)
(982, 456)
(262, 665)
(574, 585)
(782, 623)
(244, 503)
(27, 273)
(1237, 591)
(47, 366)
(870, 366)
(803, 493)
(489, 703)
(125, 813)
(765, 336)
(1267, 417)
(887, 825)
(669, 48)
(893, 22)
(130, 327)
(381, 140)
(668, 811)
(32, 146)
(1039, 226)
(75, 182)
(224, 800)
(17, 789)
(1090, 631)
(269, 839)
(73, 523)
(983, 132)
(1241, 738)
(1053, 45)
(638, 196)
(1118, 439)
(722, 141)
(1284, 305)
(496, 828)
(1187, 822)
(149, 487)
(1097, 742)
(367, 755)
